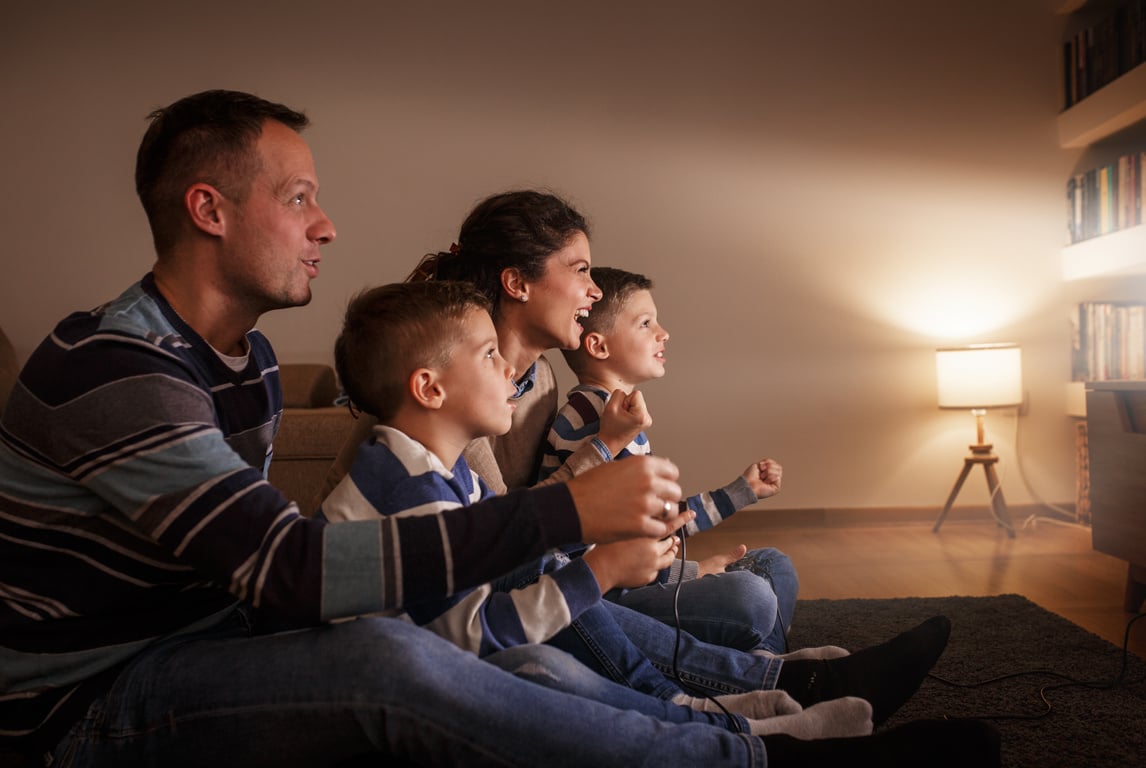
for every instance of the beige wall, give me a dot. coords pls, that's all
(824, 192)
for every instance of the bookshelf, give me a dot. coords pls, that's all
(1115, 106)
(1111, 437)
(1110, 108)
(1121, 252)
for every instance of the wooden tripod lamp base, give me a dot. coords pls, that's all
(982, 455)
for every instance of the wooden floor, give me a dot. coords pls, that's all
(1051, 564)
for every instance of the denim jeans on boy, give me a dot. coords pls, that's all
(747, 608)
(702, 667)
(594, 638)
(620, 643)
(321, 696)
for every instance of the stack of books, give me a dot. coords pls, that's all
(1108, 341)
(1105, 199)
(1100, 52)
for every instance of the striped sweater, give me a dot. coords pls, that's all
(134, 506)
(395, 475)
(579, 421)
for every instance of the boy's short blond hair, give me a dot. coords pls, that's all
(391, 331)
(616, 286)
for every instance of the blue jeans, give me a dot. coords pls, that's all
(743, 609)
(596, 640)
(701, 666)
(639, 651)
(338, 693)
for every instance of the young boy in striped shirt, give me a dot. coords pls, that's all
(622, 347)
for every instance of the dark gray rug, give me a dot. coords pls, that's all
(996, 636)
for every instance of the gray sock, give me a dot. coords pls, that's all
(835, 718)
(819, 652)
(753, 705)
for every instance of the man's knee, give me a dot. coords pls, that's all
(530, 661)
(550, 667)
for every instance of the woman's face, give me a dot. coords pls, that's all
(563, 295)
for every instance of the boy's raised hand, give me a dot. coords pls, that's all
(625, 499)
(632, 563)
(764, 477)
(624, 417)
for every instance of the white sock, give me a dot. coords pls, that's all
(819, 652)
(835, 718)
(753, 705)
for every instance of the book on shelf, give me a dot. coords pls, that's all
(1108, 341)
(1105, 199)
(1104, 49)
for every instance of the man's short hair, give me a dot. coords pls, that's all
(616, 286)
(208, 137)
(391, 331)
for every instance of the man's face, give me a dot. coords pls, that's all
(274, 235)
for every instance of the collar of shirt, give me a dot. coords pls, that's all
(525, 383)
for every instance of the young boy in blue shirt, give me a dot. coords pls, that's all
(423, 359)
(622, 347)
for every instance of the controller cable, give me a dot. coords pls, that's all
(676, 650)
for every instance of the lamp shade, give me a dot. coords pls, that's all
(980, 376)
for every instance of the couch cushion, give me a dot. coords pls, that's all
(308, 385)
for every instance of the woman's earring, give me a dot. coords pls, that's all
(524, 298)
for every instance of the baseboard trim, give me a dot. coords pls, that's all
(842, 517)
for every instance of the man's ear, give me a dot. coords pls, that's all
(204, 204)
(514, 284)
(426, 389)
(595, 345)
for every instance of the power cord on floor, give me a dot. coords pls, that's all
(1071, 682)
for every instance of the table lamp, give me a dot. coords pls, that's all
(978, 377)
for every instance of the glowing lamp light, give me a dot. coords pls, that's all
(980, 376)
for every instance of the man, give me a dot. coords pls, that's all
(143, 557)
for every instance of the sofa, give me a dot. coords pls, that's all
(311, 434)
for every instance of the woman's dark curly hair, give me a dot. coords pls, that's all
(519, 229)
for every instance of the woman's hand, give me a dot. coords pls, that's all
(624, 417)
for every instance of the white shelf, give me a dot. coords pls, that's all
(1108, 110)
(1121, 252)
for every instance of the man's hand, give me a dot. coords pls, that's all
(632, 563)
(764, 477)
(626, 499)
(624, 417)
(717, 563)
